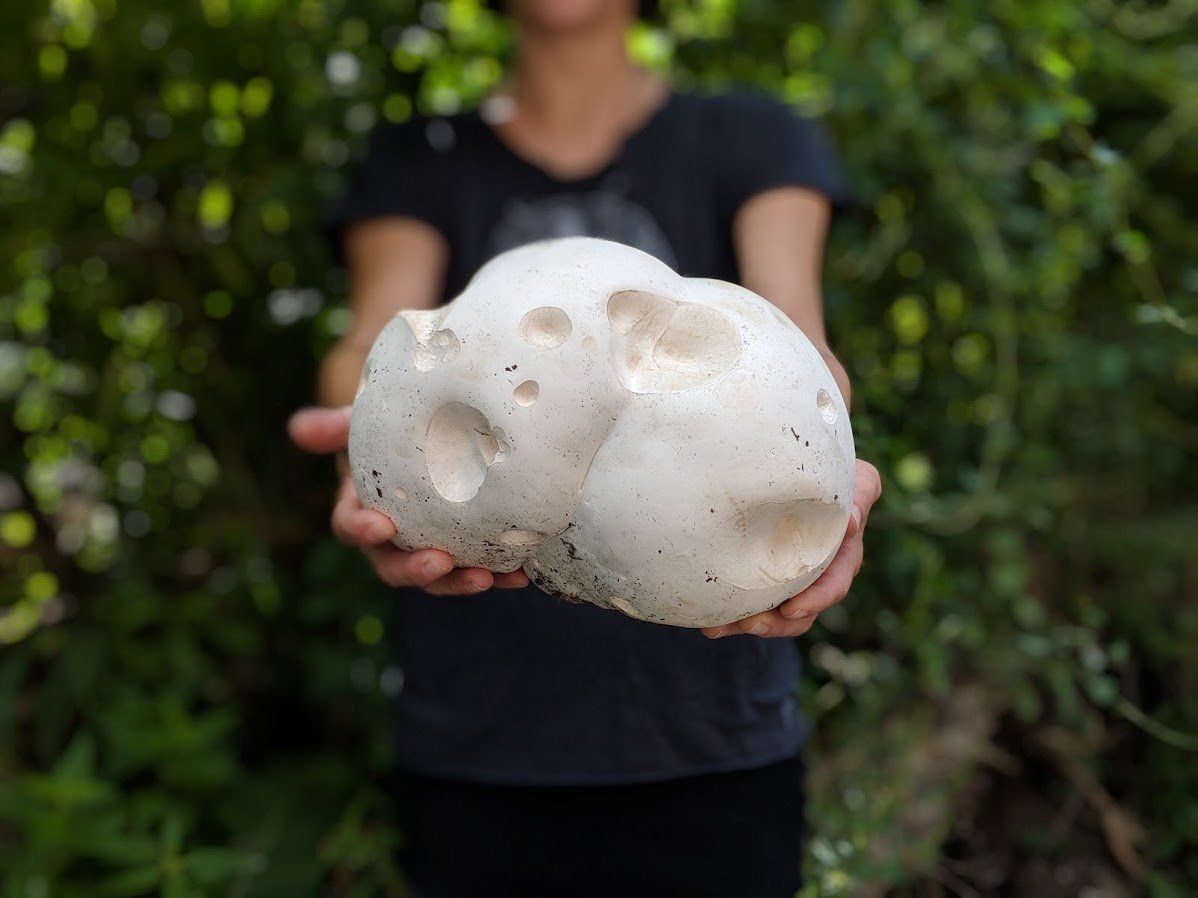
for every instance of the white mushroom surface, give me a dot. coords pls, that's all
(673, 448)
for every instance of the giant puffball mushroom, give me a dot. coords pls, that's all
(673, 448)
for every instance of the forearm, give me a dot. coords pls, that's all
(394, 264)
(779, 238)
(337, 383)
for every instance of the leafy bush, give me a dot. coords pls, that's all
(194, 679)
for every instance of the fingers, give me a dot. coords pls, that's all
(867, 491)
(797, 614)
(516, 579)
(420, 568)
(470, 580)
(461, 582)
(832, 586)
(428, 569)
(320, 429)
(432, 570)
(767, 624)
(355, 525)
(327, 430)
(853, 527)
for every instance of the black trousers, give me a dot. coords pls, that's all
(723, 835)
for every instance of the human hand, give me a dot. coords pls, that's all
(326, 430)
(796, 615)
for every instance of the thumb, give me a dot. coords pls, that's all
(320, 429)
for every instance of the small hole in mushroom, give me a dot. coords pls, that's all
(400, 493)
(827, 408)
(461, 445)
(526, 393)
(441, 348)
(545, 327)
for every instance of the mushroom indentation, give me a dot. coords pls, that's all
(827, 408)
(664, 346)
(400, 493)
(526, 393)
(783, 541)
(459, 448)
(433, 346)
(545, 327)
(522, 538)
(441, 348)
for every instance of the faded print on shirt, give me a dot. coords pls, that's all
(603, 212)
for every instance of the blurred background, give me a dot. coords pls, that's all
(194, 675)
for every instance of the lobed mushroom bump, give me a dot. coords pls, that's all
(672, 448)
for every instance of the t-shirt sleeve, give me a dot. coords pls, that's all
(401, 175)
(771, 145)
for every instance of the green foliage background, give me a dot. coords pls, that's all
(193, 677)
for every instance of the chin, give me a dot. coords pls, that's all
(565, 15)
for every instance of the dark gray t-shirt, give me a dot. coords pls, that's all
(515, 686)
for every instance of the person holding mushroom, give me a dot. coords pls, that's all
(543, 747)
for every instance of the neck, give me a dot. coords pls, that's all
(561, 75)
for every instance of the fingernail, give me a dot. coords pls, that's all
(794, 613)
(476, 585)
(856, 518)
(435, 567)
(378, 531)
(759, 629)
(718, 634)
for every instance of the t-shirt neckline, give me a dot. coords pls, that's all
(650, 122)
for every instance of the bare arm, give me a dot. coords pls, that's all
(779, 238)
(395, 263)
